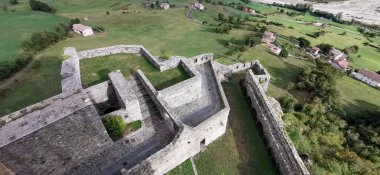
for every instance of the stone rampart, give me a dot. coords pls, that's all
(126, 98)
(286, 157)
(70, 71)
(200, 59)
(184, 92)
(32, 118)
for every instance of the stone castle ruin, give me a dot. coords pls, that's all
(64, 134)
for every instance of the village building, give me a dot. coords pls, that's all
(268, 37)
(83, 30)
(369, 77)
(336, 54)
(165, 5)
(198, 6)
(340, 64)
(148, 3)
(273, 48)
(249, 10)
(314, 50)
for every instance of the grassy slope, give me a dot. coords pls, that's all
(369, 56)
(95, 70)
(155, 29)
(241, 150)
(18, 26)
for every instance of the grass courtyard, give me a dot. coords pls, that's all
(95, 70)
(241, 150)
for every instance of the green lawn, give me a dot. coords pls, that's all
(184, 169)
(95, 70)
(17, 27)
(357, 96)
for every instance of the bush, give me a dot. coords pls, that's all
(303, 42)
(13, 2)
(287, 103)
(41, 6)
(164, 55)
(114, 125)
(284, 53)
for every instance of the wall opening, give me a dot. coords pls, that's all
(203, 144)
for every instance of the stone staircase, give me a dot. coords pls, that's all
(150, 114)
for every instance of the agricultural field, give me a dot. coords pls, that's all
(18, 26)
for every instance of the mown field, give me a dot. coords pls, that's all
(18, 26)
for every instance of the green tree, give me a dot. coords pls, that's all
(41, 6)
(221, 16)
(13, 2)
(284, 53)
(303, 42)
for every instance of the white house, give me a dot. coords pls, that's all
(165, 6)
(199, 6)
(82, 30)
(368, 77)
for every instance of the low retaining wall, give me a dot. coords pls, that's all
(286, 157)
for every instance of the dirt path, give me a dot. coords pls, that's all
(193, 165)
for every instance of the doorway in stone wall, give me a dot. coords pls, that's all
(203, 145)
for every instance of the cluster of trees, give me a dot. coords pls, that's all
(37, 42)
(351, 49)
(227, 23)
(331, 141)
(13, 2)
(41, 6)
(325, 48)
(223, 28)
(308, 8)
(298, 7)
(272, 23)
(320, 81)
(303, 42)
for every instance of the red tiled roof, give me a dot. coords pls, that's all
(315, 48)
(371, 75)
(342, 63)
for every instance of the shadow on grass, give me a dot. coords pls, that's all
(254, 156)
(360, 108)
(283, 76)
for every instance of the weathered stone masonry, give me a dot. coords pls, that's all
(64, 134)
(286, 157)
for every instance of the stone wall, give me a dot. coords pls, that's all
(70, 71)
(184, 92)
(32, 118)
(126, 98)
(188, 140)
(55, 148)
(286, 157)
